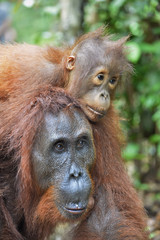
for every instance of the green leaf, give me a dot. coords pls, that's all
(155, 138)
(156, 116)
(150, 48)
(150, 101)
(134, 52)
(140, 186)
(152, 235)
(131, 151)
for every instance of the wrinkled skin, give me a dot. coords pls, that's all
(63, 156)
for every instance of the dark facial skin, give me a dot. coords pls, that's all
(63, 156)
(95, 69)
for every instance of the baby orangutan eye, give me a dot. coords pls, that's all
(113, 80)
(100, 76)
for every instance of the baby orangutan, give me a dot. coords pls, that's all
(89, 70)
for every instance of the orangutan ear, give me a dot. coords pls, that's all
(70, 62)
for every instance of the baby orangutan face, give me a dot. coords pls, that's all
(96, 67)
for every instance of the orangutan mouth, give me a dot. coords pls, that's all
(95, 112)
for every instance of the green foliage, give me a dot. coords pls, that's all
(35, 24)
(141, 186)
(135, 52)
(131, 152)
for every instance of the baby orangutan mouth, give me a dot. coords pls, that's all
(100, 115)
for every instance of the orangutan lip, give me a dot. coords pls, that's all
(94, 111)
(75, 210)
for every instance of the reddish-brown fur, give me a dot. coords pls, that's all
(27, 211)
(23, 67)
(118, 213)
(21, 198)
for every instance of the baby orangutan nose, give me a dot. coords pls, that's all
(104, 95)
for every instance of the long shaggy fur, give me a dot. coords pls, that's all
(20, 195)
(27, 76)
(29, 213)
(23, 67)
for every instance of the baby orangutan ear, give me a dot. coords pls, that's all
(70, 63)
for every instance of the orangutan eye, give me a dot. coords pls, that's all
(59, 146)
(100, 76)
(113, 80)
(82, 142)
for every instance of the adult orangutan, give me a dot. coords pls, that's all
(49, 173)
(47, 158)
(89, 70)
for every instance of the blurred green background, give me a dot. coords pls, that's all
(56, 22)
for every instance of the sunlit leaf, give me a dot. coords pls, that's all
(155, 138)
(131, 151)
(156, 116)
(134, 52)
